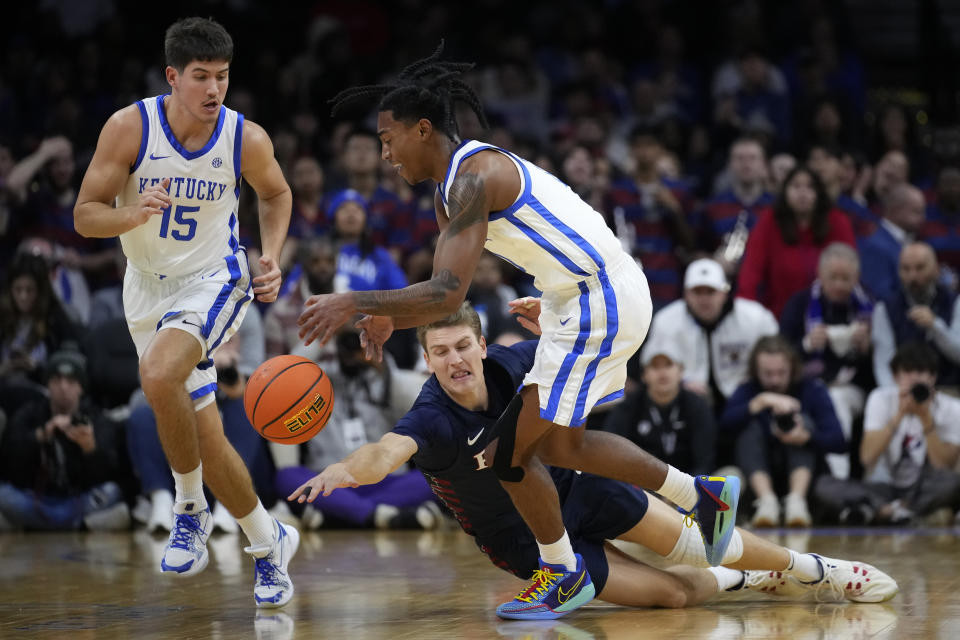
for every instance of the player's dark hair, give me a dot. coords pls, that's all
(202, 39)
(465, 316)
(428, 88)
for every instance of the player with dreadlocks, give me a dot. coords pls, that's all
(594, 313)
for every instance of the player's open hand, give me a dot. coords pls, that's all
(154, 200)
(374, 332)
(266, 286)
(528, 312)
(323, 315)
(333, 477)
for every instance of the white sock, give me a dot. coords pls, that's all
(726, 578)
(804, 567)
(189, 486)
(679, 488)
(259, 526)
(559, 552)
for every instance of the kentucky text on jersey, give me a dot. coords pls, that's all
(200, 228)
(189, 188)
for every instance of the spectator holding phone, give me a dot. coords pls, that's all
(783, 424)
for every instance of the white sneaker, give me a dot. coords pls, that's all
(141, 510)
(223, 520)
(775, 583)
(856, 581)
(273, 626)
(272, 585)
(796, 513)
(115, 518)
(767, 513)
(161, 511)
(428, 515)
(312, 518)
(186, 553)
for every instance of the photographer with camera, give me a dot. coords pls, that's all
(59, 459)
(783, 424)
(911, 442)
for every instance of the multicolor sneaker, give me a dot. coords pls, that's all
(856, 581)
(272, 586)
(716, 511)
(554, 592)
(186, 553)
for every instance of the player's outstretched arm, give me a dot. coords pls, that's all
(94, 215)
(458, 251)
(260, 168)
(369, 464)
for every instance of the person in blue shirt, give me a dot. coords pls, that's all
(445, 434)
(361, 265)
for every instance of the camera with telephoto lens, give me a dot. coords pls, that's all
(785, 421)
(920, 392)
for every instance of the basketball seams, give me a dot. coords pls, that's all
(295, 402)
(321, 418)
(256, 404)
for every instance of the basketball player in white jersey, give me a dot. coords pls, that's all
(166, 178)
(594, 314)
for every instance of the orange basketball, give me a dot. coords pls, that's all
(288, 399)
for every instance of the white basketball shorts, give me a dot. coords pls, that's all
(589, 331)
(208, 305)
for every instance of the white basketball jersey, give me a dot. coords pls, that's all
(200, 227)
(549, 231)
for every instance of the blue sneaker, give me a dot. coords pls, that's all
(186, 553)
(554, 592)
(272, 586)
(716, 511)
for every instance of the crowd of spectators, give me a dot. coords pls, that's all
(801, 240)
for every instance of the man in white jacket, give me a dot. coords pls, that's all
(711, 333)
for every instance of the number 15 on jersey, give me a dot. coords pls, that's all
(182, 218)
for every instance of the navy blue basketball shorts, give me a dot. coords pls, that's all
(595, 510)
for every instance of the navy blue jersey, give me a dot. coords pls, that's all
(450, 442)
(451, 439)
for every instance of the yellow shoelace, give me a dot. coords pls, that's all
(542, 579)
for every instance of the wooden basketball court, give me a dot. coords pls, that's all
(424, 585)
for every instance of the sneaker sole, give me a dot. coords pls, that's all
(731, 495)
(193, 570)
(587, 594)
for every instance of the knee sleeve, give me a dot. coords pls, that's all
(506, 431)
(689, 549)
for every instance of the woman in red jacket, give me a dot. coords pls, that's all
(784, 246)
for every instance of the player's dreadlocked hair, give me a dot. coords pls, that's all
(428, 88)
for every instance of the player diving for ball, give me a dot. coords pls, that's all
(446, 433)
(596, 310)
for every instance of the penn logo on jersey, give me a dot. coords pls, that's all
(189, 188)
